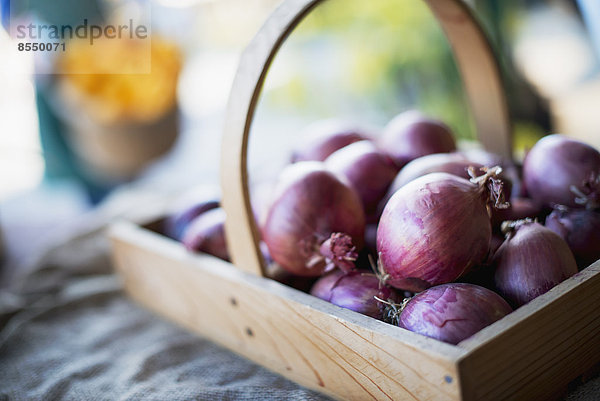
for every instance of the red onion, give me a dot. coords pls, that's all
(495, 244)
(451, 163)
(206, 233)
(356, 291)
(177, 222)
(485, 158)
(368, 171)
(315, 222)
(260, 199)
(437, 227)
(520, 208)
(580, 228)
(321, 139)
(511, 172)
(531, 261)
(453, 312)
(410, 135)
(371, 238)
(557, 164)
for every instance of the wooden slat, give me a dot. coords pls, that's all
(321, 346)
(475, 60)
(480, 74)
(538, 348)
(241, 231)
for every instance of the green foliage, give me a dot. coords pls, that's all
(386, 55)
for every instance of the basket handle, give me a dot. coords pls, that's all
(476, 62)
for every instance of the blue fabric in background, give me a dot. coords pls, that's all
(60, 161)
(4, 13)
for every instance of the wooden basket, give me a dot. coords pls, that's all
(532, 353)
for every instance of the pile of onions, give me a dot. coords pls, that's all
(368, 171)
(322, 138)
(435, 228)
(452, 312)
(411, 135)
(580, 228)
(315, 221)
(206, 233)
(532, 260)
(358, 291)
(430, 214)
(555, 166)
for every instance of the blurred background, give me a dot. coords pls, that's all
(81, 149)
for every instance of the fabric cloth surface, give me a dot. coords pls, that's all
(69, 332)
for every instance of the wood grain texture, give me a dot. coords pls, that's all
(480, 74)
(532, 353)
(333, 350)
(538, 349)
(475, 60)
(241, 230)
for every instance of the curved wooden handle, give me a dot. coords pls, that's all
(476, 62)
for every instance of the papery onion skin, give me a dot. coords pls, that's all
(483, 157)
(368, 171)
(451, 163)
(511, 172)
(435, 228)
(310, 204)
(453, 312)
(580, 228)
(531, 261)
(206, 233)
(176, 223)
(554, 165)
(356, 291)
(411, 135)
(322, 138)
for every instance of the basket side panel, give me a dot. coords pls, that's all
(250, 316)
(541, 347)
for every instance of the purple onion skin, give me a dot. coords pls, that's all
(368, 171)
(453, 312)
(355, 291)
(580, 228)
(520, 208)
(531, 261)
(411, 135)
(310, 204)
(556, 163)
(483, 157)
(321, 139)
(511, 172)
(451, 163)
(206, 233)
(371, 238)
(434, 228)
(176, 223)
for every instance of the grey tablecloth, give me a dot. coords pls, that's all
(69, 332)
